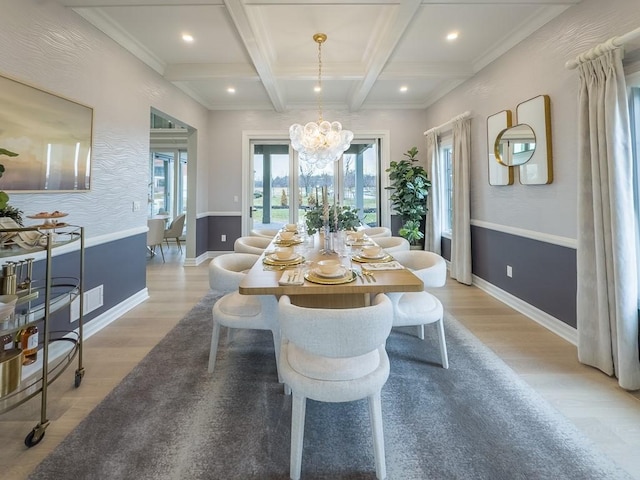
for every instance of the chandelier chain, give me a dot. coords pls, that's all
(320, 80)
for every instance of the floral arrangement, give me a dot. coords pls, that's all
(318, 214)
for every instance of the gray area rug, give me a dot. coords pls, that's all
(169, 419)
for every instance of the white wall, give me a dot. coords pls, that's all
(405, 128)
(535, 67)
(54, 49)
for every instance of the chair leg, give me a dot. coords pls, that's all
(298, 409)
(276, 346)
(179, 245)
(375, 414)
(421, 332)
(443, 344)
(215, 336)
(161, 251)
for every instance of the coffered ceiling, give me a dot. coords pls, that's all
(264, 50)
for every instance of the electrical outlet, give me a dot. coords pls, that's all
(136, 206)
(509, 271)
(223, 238)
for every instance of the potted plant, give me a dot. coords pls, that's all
(410, 185)
(7, 210)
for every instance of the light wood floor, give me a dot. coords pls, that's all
(591, 400)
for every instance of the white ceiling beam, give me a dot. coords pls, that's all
(427, 70)
(260, 61)
(389, 37)
(182, 72)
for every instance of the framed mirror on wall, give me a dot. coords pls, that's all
(498, 174)
(50, 134)
(536, 113)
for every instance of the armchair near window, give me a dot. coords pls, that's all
(175, 230)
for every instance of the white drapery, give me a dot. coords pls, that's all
(461, 222)
(607, 296)
(433, 234)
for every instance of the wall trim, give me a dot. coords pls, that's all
(220, 214)
(551, 323)
(521, 232)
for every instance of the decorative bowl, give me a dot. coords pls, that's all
(329, 267)
(286, 235)
(284, 253)
(372, 251)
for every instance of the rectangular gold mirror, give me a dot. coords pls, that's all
(536, 113)
(498, 173)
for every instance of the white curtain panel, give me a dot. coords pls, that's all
(433, 234)
(607, 297)
(461, 222)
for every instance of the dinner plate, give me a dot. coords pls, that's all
(385, 258)
(293, 241)
(273, 260)
(373, 257)
(314, 278)
(341, 272)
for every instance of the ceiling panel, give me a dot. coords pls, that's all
(265, 49)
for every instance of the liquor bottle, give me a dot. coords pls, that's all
(29, 344)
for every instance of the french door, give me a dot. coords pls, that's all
(282, 188)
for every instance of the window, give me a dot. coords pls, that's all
(446, 160)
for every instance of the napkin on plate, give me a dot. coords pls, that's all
(292, 277)
(393, 265)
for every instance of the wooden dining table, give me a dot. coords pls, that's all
(264, 279)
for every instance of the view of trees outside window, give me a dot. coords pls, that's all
(275, 191)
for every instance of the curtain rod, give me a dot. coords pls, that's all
(602, 48)
(457, 117)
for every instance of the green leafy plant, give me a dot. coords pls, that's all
(410, 185)
(348, 218)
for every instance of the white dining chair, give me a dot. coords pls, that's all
(251, 244)
(265, 232)
(233, 310)
(335, 355)
(422, 308)
(393, 244)
(375, 232)
(175, 231)
(155, 235)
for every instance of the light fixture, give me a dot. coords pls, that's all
(231, 90)
(403, 89)
(452, 36)
(187, 37)
(322, 142)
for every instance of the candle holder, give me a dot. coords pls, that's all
(327, 242)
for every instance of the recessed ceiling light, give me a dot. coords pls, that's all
(452, 36)
(187, 37)
(403, 88)
(317, 89)
(231, 90)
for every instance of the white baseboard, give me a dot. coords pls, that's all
(551, 323)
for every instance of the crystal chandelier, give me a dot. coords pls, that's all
(322, 142)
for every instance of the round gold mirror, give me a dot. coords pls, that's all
(515, 145)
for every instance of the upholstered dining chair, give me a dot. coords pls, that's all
(422, 308)
(175, 230)
(265, 232)
(233, 310)
(255, 245)
(393, 244)
(334, 355)
(375, 232)
(155, 235)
